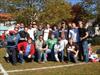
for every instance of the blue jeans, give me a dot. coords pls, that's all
(61, 53)
(23, 57)
(41, 55)
(71, 57)
(85, 50)
(51, 52)
(12, 54)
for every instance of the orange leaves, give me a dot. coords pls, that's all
(5, 16)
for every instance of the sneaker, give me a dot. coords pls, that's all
(7, 59)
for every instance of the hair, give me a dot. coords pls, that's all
(40, 35)
(29, 38)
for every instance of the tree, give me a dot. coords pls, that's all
(54, 11)
(26, 16)
(78, 12)
(88, 9)
(98, 10)
(22, 10)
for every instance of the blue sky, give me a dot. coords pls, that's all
(73, 1)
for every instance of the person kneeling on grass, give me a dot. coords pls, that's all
(41, 48)
(72, 51)
(26, 53)
(59, 49)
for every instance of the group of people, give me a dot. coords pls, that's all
(43, 43)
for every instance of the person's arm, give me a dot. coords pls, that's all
(70, 34)
(32, 50)
(45, 48)
(61, 46)
(77, 50)
(55, 47)
(19, 48)
(73, 51)
(76, 53)
(37, 45)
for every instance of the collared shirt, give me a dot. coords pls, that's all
(28, 49)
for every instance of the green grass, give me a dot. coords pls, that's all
(85, 69)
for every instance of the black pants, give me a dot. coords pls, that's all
(12, 54)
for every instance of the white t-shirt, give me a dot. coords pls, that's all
(63, 44)
(74, 34)
(56, 47)
(46, 34)
(31, 32)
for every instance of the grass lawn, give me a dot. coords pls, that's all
(85, 69)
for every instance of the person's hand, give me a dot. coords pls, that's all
(21, 52)
(81, 39)
(40, 49)
(75, 55)
(29, 56)
(14, 39)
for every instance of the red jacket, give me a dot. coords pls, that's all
(22, 47)
(32, 51)
(3, 37)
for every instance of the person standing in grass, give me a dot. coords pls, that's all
(83, 42)
(55, 31)
(46, 32)
(74, 33)
(39, 31)
(32, 31)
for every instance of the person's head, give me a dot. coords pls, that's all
(41, 37)
(40, 27)
(52, 36)
(21, 25)
(26, 29)
(17, 25)
(80, 24)
(70, 41)
(54, 27)
(70, 25)
(16, 30)
(34, 25)
(29, 40)
(30, 26)
(63, 37)
(73, 25)
(63, 24)
(48, 26)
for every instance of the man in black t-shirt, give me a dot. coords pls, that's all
(83, 42)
